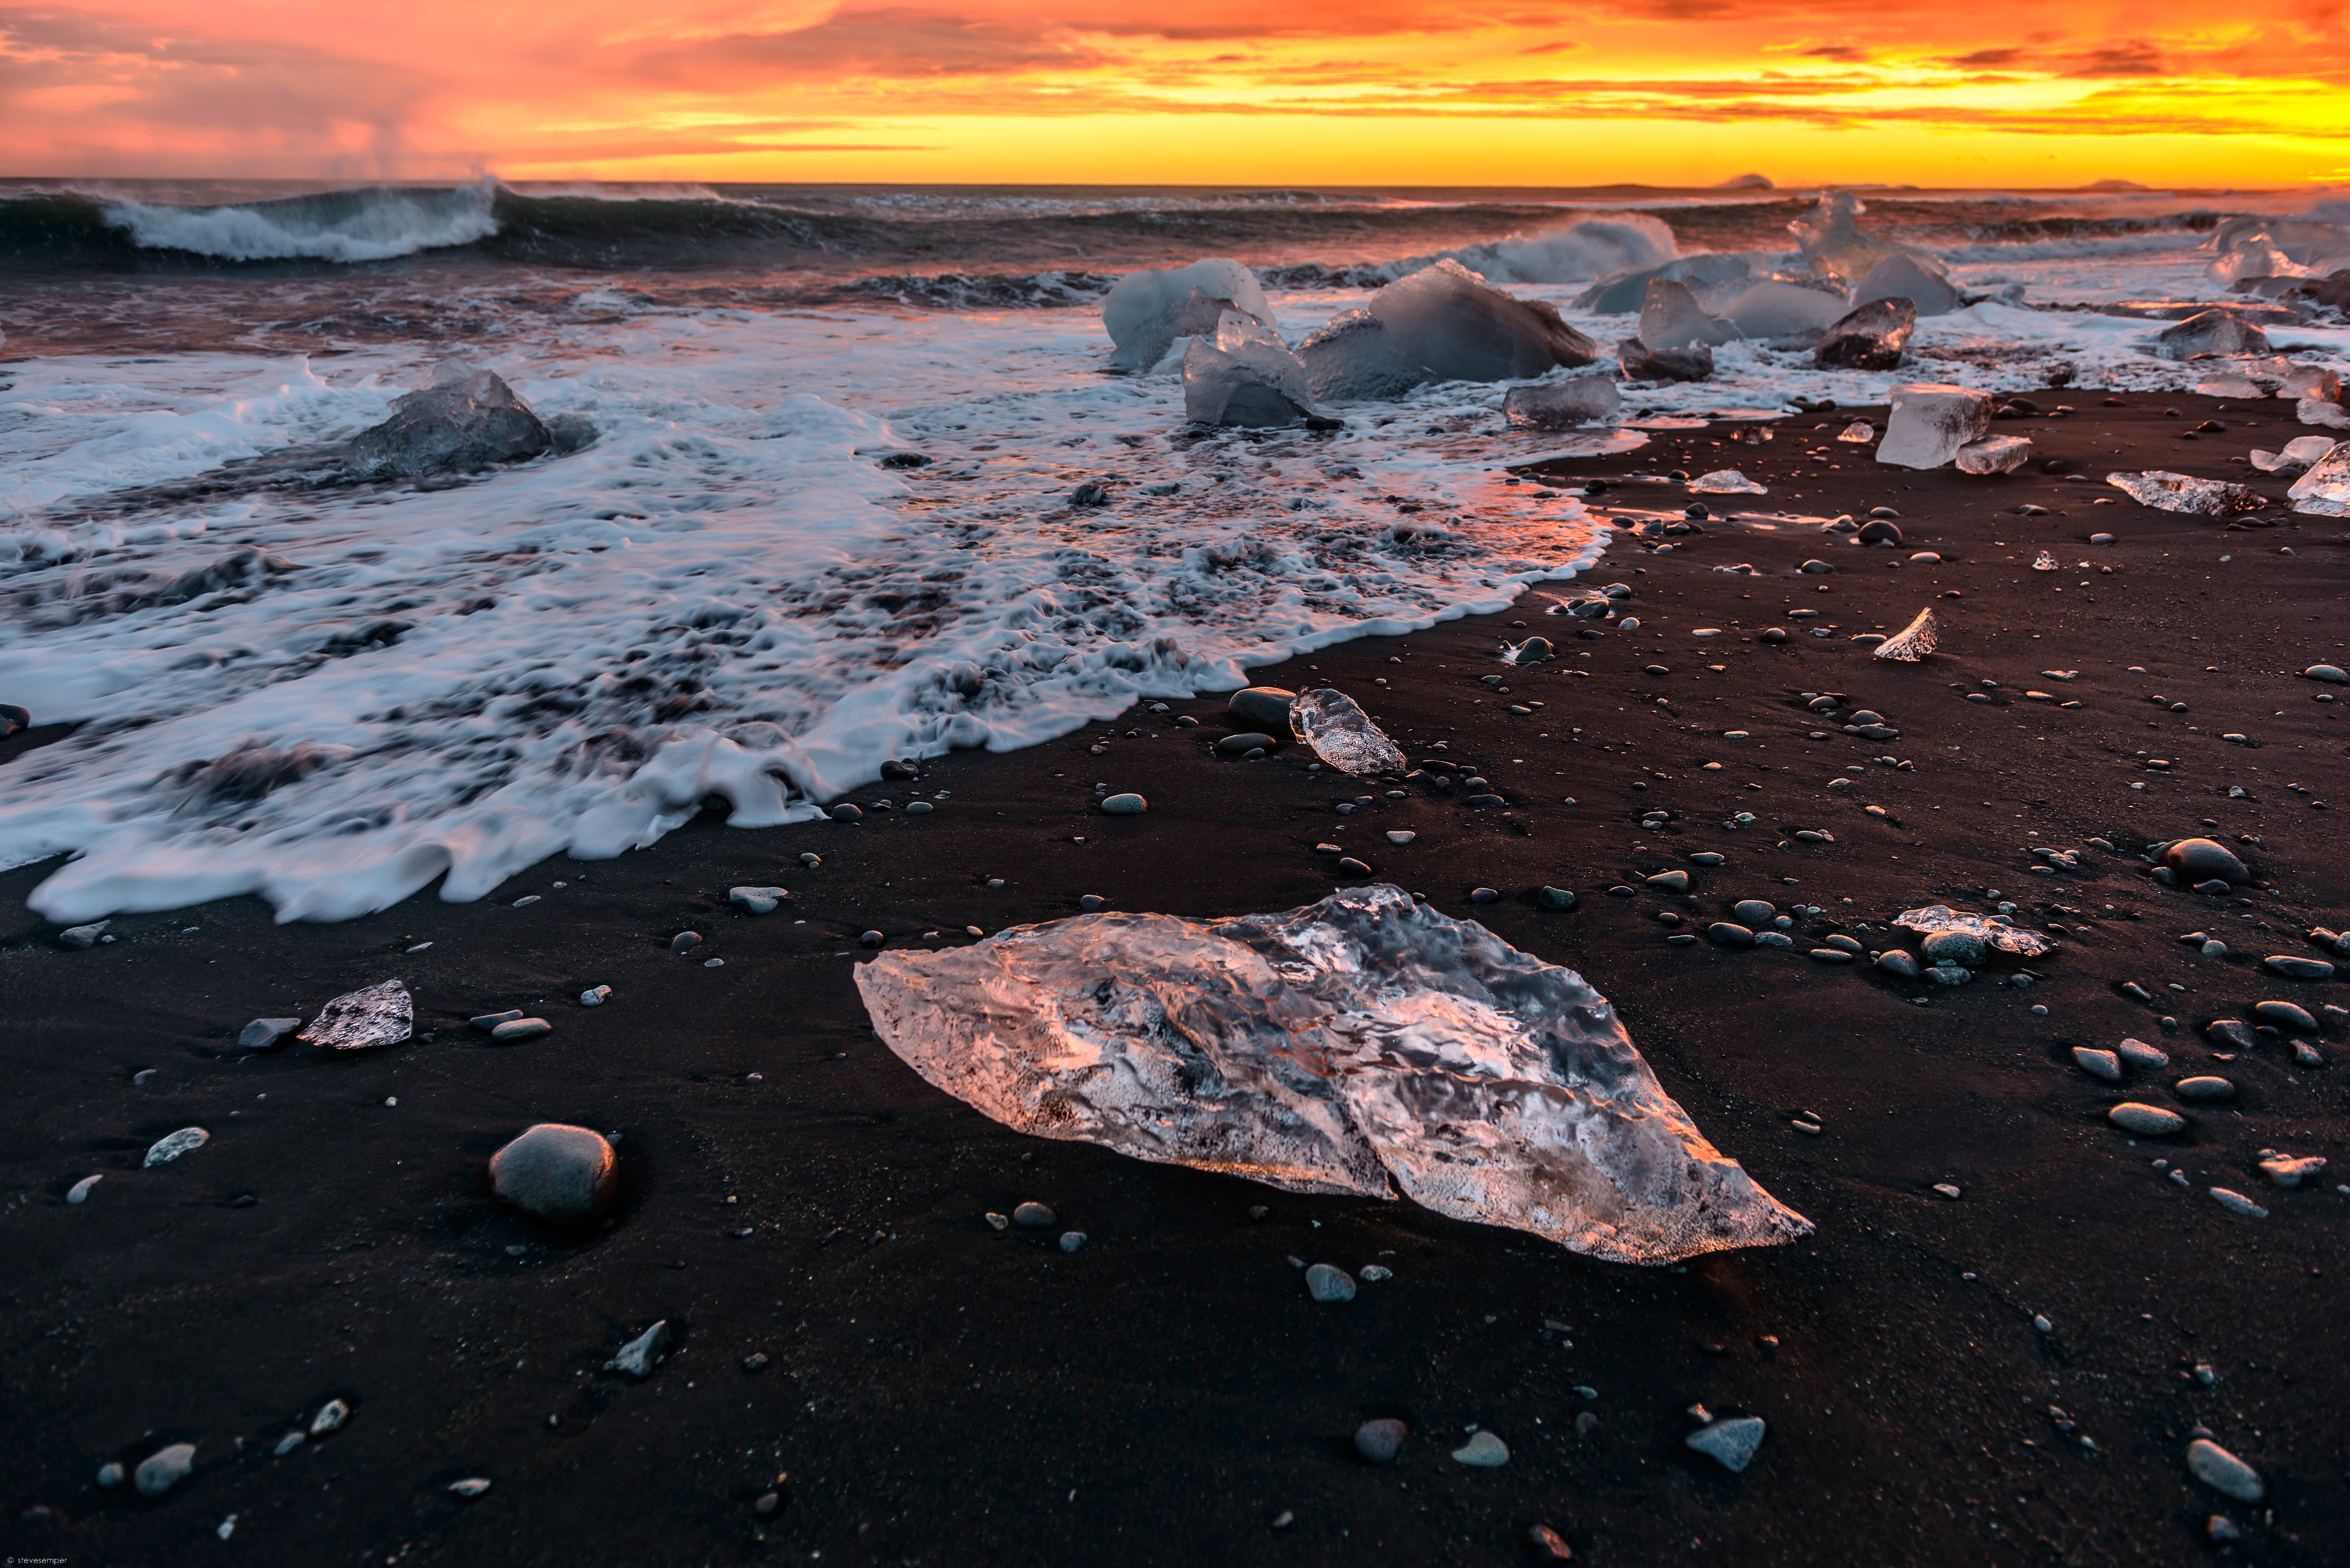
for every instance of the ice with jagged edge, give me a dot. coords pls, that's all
(1335, 728)
(1360, 1045)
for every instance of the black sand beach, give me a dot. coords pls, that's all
(935, 1392)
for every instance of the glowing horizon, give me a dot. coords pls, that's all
(1659, 92)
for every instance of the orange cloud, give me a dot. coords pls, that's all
(1667, 91)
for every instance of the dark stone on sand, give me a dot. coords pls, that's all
(846, 811)
(1481, 802)
(1880, 533)
(1326, 1283)
(2294, 968)
(1034, 1215)
(872, 939)
(1895, 961)
(1964, 948)
(1754, 911)
(1555, 899)
(683, 943)
(1484, 895)
(1669, 881)
(266, 1033)
(464, 419)
(1237, 745)
(2202, 860)
(1870, 338)
(560, 1174)
(1380, 1441)
(1265, 707)
(893, 770)
(2204, 1088)
(1350, 866)
(1092, 902)
(2285, 1016)
(1724, 933)
(13, 719)
(1546, 1545)
(1774, 634)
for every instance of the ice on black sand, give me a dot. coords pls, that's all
(1587, 1151)
(1562, 405)
(1929, 421)
(1150, 309)
(376, 1015)
(1245, 376)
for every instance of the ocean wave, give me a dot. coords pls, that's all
(335, 226)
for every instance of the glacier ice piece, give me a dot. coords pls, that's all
(1670, 317)
(1562, 405)
(2251, 246)
(2299, 455)
(1642, 363)
(1871, 337)
(1995, 454)
(2168, 492)
(1912, 642)
(1619, 293)
(1459, 327)
(1354, 358)
(1907, 278)
(2239, 389)
(172, 1146)
(1341, 733)
(2325, 490)
(1991, 930)
(1150, 309)
(2317, 411)
(361, 1020)
(2310, 381)
(1774, 308)
(1246, 377)
(462, 419)
(2214, 332)
(1725, 482)
(1835, 244)
(1929, 421)
(1329, 1049)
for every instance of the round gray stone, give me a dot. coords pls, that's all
(2146, 1121)
(1724, 933)
(1033, 1214)
(1380, 1441)
(1962, 948)
(1895, 961)
(2201, 859)
(164, 1469)
(2204, 1088)
(1754, 911)
(2332, 674)
(558, 1173)
(2222, 1472)
(2098, 1063)
(1325, 1284)
(2296, 968)
(1124, 805)
(2284, 1015)
(1266, 706)
(1484, 1450)
(1669, 881)
(1250, 741)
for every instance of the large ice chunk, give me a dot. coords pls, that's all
(1835, 244)
(1338, 732)
(2219, 332)
(1246, 377)
(1459, 327)
(1907, 278)
(1330, 1049)
(2297, 455)
(2168, 492)
(2252, 247)
(1868, 338)
(1150, 309)
(1619, 293)
(1774, 308)
(2325, 490)
(1929, 421)
(1562, 405)
(1352, 358)
(1671, 319)
(462, 419)
(1642, 363)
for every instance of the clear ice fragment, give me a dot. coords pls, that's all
(1246, 377)
(1835, 244)
(1995, 454)
(1871, 337)
(1860, 433)
(1354, 358)
(1562, 405)
(1991, 930)
(1619, 293)
(1907, 278)
(1725, 482)
(1642, 363)
(2219, 332)
(1671, 319)
(1330, 1049)
(1929, 421)
(1341, 733)
(2325, 490)
(1150, 309)
(2167, 492)
(362, 1020)
(1775, 309)
(1913, 642)
(463, 419)
(2299, 455)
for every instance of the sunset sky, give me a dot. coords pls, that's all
(1224, 92)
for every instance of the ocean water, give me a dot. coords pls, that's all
(332, 694)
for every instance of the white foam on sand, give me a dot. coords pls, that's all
(726, 596)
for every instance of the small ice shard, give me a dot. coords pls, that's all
(1772, 308)
(1671, 318)
(1989, 929)
(2242, 389)
(1150, 309)
(1725, 482)
(1930, 420)
(2302, 382)
(1870, 338)
(172, 1146)
(2300, 454)
(1913, 642)
(1247, 377)
(1642, 363)
(1354, 358)
(2288, 1172)
(2044, 562)
(462, 419)
(2220, 332)
(1328, 1049)
(1907, 278)
(1995, 454)
(1860, 433)
(1562, 405)
(363, 1020)
(1341, 733)
(1835, 244)
(2322, 414)
(1459, 327)
(2167, 492)
(2325, 490)
(1619, 293)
